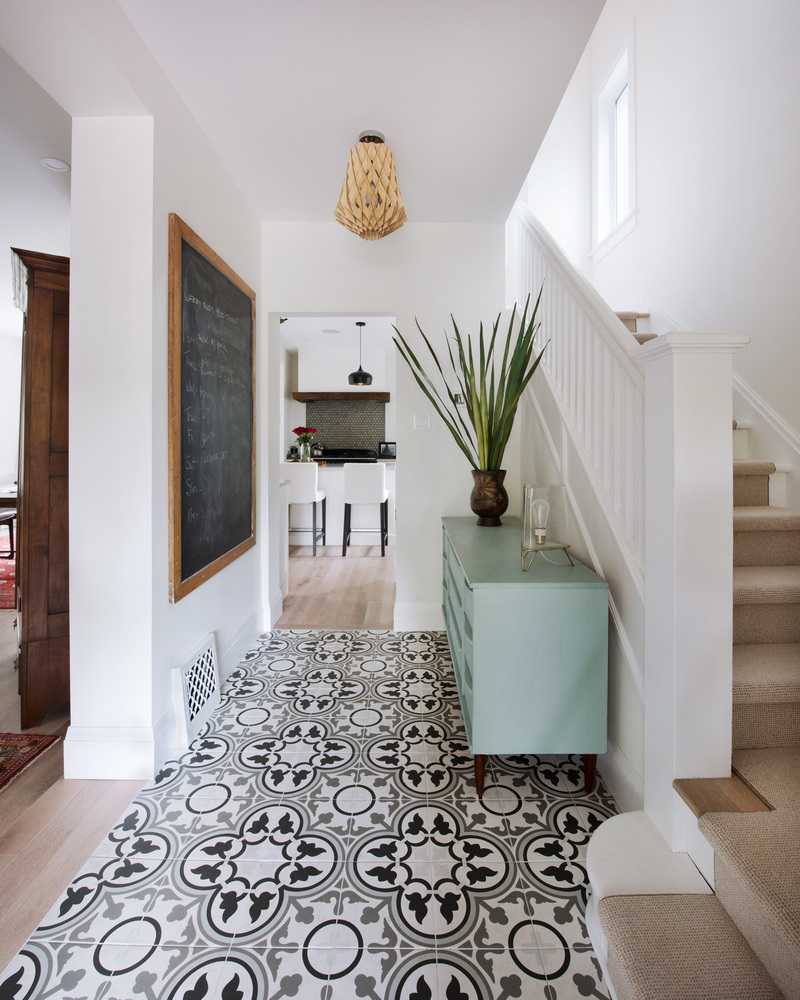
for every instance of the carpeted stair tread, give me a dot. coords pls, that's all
(683, 947)
(766, 519)
(757, 880)
(774, 773)
(766, 584)
(752, 467)
(766, 672)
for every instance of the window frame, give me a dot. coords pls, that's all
(609, 225)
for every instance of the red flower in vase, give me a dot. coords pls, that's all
(304, 434)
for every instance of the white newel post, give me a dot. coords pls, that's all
(688, 563)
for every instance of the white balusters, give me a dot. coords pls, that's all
(599, 386)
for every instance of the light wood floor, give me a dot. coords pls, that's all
(49, 826)
(328, 591)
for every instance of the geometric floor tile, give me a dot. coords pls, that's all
(322, 838)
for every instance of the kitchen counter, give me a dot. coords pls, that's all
(336, 464)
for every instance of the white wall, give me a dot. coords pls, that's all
(190, 181)
(11, 367)
(718, 158)
(423, 271)
(133, 164)
(111, 426)
(294, 412)
(326, 370)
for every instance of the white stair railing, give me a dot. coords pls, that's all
(667, 401)
(599, 386)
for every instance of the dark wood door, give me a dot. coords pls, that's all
(42, 290)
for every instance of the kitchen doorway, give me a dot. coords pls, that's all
(319, 353)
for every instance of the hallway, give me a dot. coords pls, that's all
(344, 854)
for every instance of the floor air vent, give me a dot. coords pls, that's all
(198, 694)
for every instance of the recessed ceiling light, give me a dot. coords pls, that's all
(330, 331)
(53, 163)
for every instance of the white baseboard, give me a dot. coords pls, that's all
(274, 609)
(110, 752)
(622, 780)
(135, 752)
(243, 639)
(163, 737)
(418, 618)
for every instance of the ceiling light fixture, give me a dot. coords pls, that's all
(370, 204)
(53, 163)
(360, 377)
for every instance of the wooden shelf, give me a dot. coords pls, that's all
(310, 397)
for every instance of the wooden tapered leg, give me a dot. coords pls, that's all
(589, 766)
(479, 762)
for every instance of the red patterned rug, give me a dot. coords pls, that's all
(7, 579)
(18, 750)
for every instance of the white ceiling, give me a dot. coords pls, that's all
(463, 90)
(338, 331)
(34, 201)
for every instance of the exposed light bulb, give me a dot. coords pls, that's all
(541, 511)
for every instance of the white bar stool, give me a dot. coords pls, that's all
(365, 483)
(303, 488)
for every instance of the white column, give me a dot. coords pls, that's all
(688, 563)
(111, 449)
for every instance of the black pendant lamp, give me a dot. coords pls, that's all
(359, 377)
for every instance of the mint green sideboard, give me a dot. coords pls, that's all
(529, 650)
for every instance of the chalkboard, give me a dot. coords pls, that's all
(211, 389)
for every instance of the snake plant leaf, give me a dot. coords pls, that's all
(490, 389)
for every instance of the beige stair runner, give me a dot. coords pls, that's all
(743, 943)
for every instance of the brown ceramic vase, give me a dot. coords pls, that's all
(488, 498)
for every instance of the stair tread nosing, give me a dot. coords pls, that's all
(752, 467)
(760, 518)
(766, 672)
(683, 947)
(766, 584)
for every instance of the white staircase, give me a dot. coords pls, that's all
(640, 435)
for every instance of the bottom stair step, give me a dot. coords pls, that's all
(680, 947)
(757, 862)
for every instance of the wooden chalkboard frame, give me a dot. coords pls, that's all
(183, 338)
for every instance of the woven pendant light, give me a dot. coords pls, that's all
(370, 204)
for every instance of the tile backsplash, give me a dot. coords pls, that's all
(345, 423)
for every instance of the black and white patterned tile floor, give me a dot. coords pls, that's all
(323, 839)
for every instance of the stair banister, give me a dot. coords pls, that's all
(652, 427)
(589, 365)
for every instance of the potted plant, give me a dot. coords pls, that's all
(479, 399)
